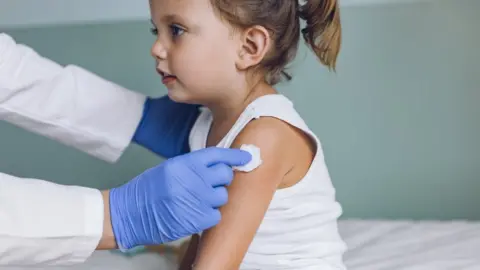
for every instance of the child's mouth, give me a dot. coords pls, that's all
(167, 78)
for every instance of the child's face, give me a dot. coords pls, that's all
(194, 46)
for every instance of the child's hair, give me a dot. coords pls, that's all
(282, 19)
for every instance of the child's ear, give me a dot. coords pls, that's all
(255, 43)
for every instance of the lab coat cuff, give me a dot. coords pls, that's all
(93, 225)
(94, 212)
(114, 115)
(126, 126)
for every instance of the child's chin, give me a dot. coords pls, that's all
(176, 96)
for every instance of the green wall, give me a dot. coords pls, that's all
(397, 121)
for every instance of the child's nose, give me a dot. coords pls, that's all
(158, 50)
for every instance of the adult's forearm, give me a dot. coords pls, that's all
(68, 104)
(47, 224)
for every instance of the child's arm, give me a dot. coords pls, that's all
(224, 246)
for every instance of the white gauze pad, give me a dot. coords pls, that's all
(256, 158)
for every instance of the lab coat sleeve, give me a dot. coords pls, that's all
(68, 104)
(46, 224)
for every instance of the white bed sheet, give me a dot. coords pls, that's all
(409, 245)
(373, 245)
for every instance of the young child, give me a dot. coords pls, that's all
(227, 55)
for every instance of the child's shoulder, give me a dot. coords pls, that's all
(283, 145)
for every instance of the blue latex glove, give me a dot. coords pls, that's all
(165, 126)
(176, 199)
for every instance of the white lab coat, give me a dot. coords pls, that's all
(42, 223)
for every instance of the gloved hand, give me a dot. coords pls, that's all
(176, 199)
(165, 126)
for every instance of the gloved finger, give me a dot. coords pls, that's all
(219, 197)
(214, 155)
(219, 175)
(213, 218)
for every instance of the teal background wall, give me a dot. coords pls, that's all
(398, 121)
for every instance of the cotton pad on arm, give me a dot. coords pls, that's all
(256, 158)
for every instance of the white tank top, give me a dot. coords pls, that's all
(299, 230)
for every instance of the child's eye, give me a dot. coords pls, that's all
(154, 31)
(176, 30)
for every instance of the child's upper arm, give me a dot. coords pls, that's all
(224, 246)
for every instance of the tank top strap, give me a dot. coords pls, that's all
(274, 105)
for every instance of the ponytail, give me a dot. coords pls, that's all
(323, 30)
